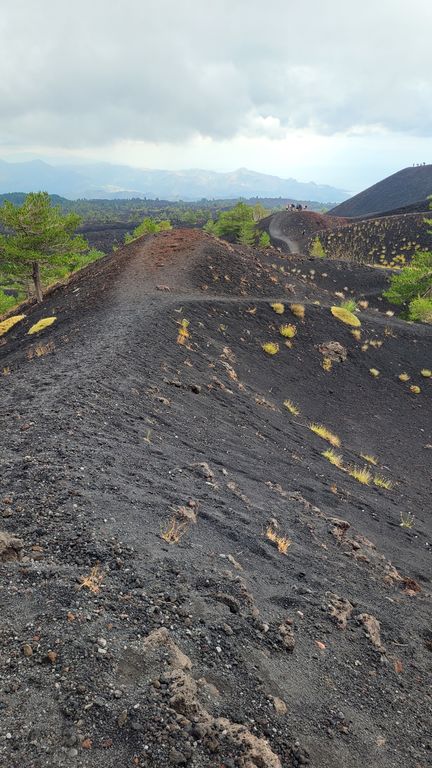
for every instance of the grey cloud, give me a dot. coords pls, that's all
(92, 73)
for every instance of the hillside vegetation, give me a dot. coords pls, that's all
(385, 241)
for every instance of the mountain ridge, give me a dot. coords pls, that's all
(104, 180)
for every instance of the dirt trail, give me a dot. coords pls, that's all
(277, 231)
(119, 647)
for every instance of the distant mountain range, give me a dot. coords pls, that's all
(102, 180)
(407, 189)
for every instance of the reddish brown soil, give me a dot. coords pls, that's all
(317, 657)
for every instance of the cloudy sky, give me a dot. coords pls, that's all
(338, 92)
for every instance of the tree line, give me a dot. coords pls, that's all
(40, 245)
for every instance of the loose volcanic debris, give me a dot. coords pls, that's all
(120, 645)
(10, 547)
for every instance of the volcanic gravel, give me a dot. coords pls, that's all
(148, 469)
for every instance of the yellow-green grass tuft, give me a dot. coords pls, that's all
(349, 304)
(298, 310)
(404, 376)
(415, 389)
(356, 333)
(333, 457)
(345, 316)
(270, 347)
(6, 325)
(282, 542)
(289, 405)
(426, 373)
(325, 433)
(42, 324)
(369, 458)
(382, 482)
(374, 372)
(288, 331)
(407, 520)
(361, 474)
(278, 308)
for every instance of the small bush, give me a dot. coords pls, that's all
(282, 542)
(174, 530)
(404, 376)
(370, 459)
(317, 249)
(6, 325)
(270, 347)
(407, 520)
(289, 405)
(264, 240)
(93, 580)
(278, 308)
(345, 316)
(333, 457)
(412, 286)
(288, 331)
(415, 389)
(6, 302)
(350, 305)
(420, 309)
(42, 324)
(426, 373)
(374, 372)
(325, 433)
(362, 475)
(183, 334)
(148, 226)
(298, 310)
(382, 482)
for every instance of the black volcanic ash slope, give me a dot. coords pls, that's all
(401, 189)
(119, 648)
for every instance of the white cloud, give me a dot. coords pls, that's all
(89, 73)
(209, 81)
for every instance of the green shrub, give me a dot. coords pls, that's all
(247, 233)
(210, 227)
(420, 309)
(236, 225)
(148, 226)
(317, 249)
(6, 302)
(264, 240)
(413, 287)
(350, 305)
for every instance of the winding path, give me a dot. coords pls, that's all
(276, 231)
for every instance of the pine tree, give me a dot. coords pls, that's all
(413, 286)
(38, 236)
(317, 248)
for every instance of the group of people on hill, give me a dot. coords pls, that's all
(294, 207)
(417, 165)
